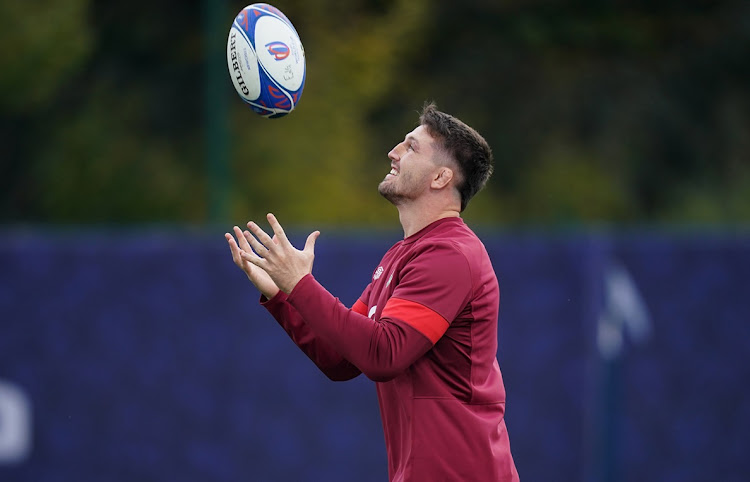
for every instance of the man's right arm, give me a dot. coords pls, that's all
(325, 357)
(328, 360)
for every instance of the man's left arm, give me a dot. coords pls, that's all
(433, 288)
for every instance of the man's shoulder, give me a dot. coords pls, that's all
(459, 245)
(457, 236)
(450, 252)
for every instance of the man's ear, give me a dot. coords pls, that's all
(442, 178)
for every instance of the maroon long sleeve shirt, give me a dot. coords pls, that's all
(425, 330)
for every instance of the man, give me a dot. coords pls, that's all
(425, 327)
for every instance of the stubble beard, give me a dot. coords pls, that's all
(389, 191)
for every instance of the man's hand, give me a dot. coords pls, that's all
(284, 263)
(256, 275)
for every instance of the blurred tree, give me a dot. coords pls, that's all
(639, 89)
(42, 45)
(598, 112)
(117, 141)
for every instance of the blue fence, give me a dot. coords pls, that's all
(145, 357)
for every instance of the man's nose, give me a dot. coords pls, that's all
(394, 153)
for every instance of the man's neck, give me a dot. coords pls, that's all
(415, 218)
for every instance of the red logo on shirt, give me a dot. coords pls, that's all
(378, 273)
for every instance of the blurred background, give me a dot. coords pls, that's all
(131, 348)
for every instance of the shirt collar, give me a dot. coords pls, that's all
(449, 220)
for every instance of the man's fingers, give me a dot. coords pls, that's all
(248, 254)
(261, 235)
(247, 239)
(310, 243)
(252, 258)
(233, 248)
(237, 251)
(259, 247)
(277, 229)
(241, 241)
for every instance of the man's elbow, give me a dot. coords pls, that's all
(340, 372)
(383, 374)
(340, 376)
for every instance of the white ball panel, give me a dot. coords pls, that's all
(280, 52)
(243, 65)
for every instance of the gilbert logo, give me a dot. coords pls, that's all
(279, 50)
(378, 273)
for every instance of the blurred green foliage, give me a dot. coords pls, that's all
(598, 111)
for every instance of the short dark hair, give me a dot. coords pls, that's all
(469, 149)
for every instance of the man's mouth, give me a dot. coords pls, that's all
(393, 172)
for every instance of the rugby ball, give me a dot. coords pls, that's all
(266, 60)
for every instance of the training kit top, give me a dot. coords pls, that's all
(425, 330)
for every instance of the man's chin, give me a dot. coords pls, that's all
(386, 190)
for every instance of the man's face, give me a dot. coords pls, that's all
(412, 168)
